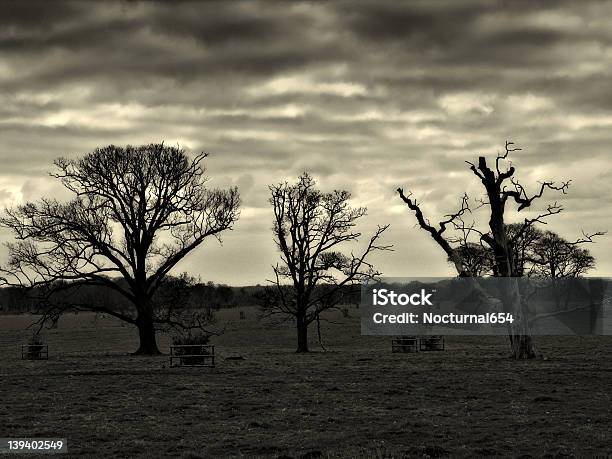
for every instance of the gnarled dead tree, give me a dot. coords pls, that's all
(309, 229)
(501, 188)
(136, 213)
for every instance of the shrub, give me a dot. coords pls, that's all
(198, 342)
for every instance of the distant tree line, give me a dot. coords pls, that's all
(192, 295)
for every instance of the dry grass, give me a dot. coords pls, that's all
(358, 400)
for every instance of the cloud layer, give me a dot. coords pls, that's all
(367, 96)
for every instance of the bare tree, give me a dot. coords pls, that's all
(554, 256)
(476, 260)
(136, 213)
(309, 226)
(521, 242)
(535, 253)
(500, 187)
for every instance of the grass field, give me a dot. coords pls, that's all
(356, 400)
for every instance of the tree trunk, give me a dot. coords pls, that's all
(302, 332)
(523, 347)
(519, 331)
(146, 331)
(521, 339)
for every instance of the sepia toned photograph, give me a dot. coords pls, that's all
(304, 229)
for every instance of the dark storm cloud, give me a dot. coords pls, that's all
(38, 15)
(225, 23)
(365, 95)
(423, 22)
(182, 41)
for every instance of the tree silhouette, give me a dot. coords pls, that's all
(535, 253)
(554, 256)
(309, 226)
(475, 259)
(136, 213)
(501, 188)
(521, 241)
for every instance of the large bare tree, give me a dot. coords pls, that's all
(136, 212)
(500, 188)
(309, 229)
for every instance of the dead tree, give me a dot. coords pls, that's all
(309, 228)
(500, 187)
(136, 213)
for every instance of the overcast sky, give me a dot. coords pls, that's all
(366, 96)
